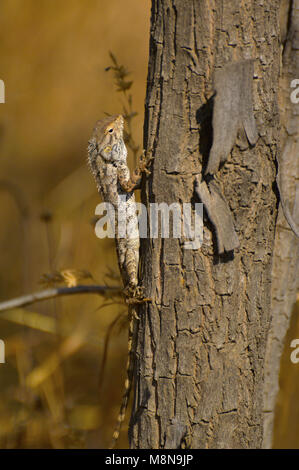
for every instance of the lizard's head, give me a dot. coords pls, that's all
(108, 136)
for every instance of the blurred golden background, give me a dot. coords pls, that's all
(53, 59)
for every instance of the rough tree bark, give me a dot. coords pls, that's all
(201, 342)
(285, 273)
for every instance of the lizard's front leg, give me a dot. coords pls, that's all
(128, 185)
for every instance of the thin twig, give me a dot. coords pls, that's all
(55, 292)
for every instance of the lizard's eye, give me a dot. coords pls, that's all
(110, 131)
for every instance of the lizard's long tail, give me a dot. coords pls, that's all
(129, 378)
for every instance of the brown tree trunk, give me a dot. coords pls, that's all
(285, 272)
(201, 341)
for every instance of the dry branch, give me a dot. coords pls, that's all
(55, 292)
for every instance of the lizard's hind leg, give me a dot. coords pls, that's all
(132, 290)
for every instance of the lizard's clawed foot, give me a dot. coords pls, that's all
(144, 162)
(132, 290)
(135, 294)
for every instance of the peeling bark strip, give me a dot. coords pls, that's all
(290, 152)
(232, 115)
(219, 214)
(201, 342)
(233, 111)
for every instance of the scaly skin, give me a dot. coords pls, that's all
(107, 157)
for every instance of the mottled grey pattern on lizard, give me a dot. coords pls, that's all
(107, 157)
